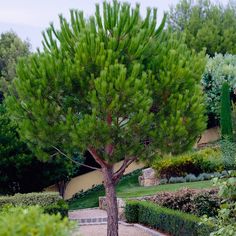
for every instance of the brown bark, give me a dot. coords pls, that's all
(111, 201)
(110, 180)
(119, 173)
(61, 186)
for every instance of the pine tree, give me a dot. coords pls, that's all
(113, 85)
(225, 115)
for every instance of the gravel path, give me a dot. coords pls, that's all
(101, 230)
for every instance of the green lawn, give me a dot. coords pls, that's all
(129, 187)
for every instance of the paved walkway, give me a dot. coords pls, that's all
(93, 222)
(87, 213)
(101, 230)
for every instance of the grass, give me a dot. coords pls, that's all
(142, 191)
(129, 187)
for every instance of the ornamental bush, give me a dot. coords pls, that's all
(207, 160)
(193, 178)
(198, 202)
(21, 221)
(225, 114)
(170, 221)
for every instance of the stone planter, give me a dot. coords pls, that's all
(120, 203)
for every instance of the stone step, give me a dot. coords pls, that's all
(91, 221)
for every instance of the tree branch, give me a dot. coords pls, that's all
(116, 176)
(101, 162)
(76, 162)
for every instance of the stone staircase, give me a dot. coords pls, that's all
(92, 216)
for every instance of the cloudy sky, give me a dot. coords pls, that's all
(29, 18)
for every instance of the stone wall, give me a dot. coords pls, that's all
(91, 179)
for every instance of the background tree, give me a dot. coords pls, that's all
(20, 170)
(112, 85)
(206, 25)
(11, 49)
(219, 69)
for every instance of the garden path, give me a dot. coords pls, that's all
(92, 222)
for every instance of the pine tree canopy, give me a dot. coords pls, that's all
(110, 83)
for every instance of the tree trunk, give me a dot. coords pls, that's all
(61, 186)
(111, 201)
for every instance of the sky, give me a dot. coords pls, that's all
(29, 18)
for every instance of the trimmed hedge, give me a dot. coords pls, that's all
(167, 220)
(28, 199)
(51, 202)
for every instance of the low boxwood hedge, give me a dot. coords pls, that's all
(51, 202)
(167, 220)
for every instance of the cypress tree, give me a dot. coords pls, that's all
(107, 85)
(225, 114)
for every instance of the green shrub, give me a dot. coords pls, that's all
(50, 201)
(226, 221)
(226, 218)
(206, 176)
(59, 207)
(228, 149)
(206, 203)
(206, 160)
(164, 181)
(193, 178)
(22, 221)
(177, 180)
(28, 199)
(170, 221)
